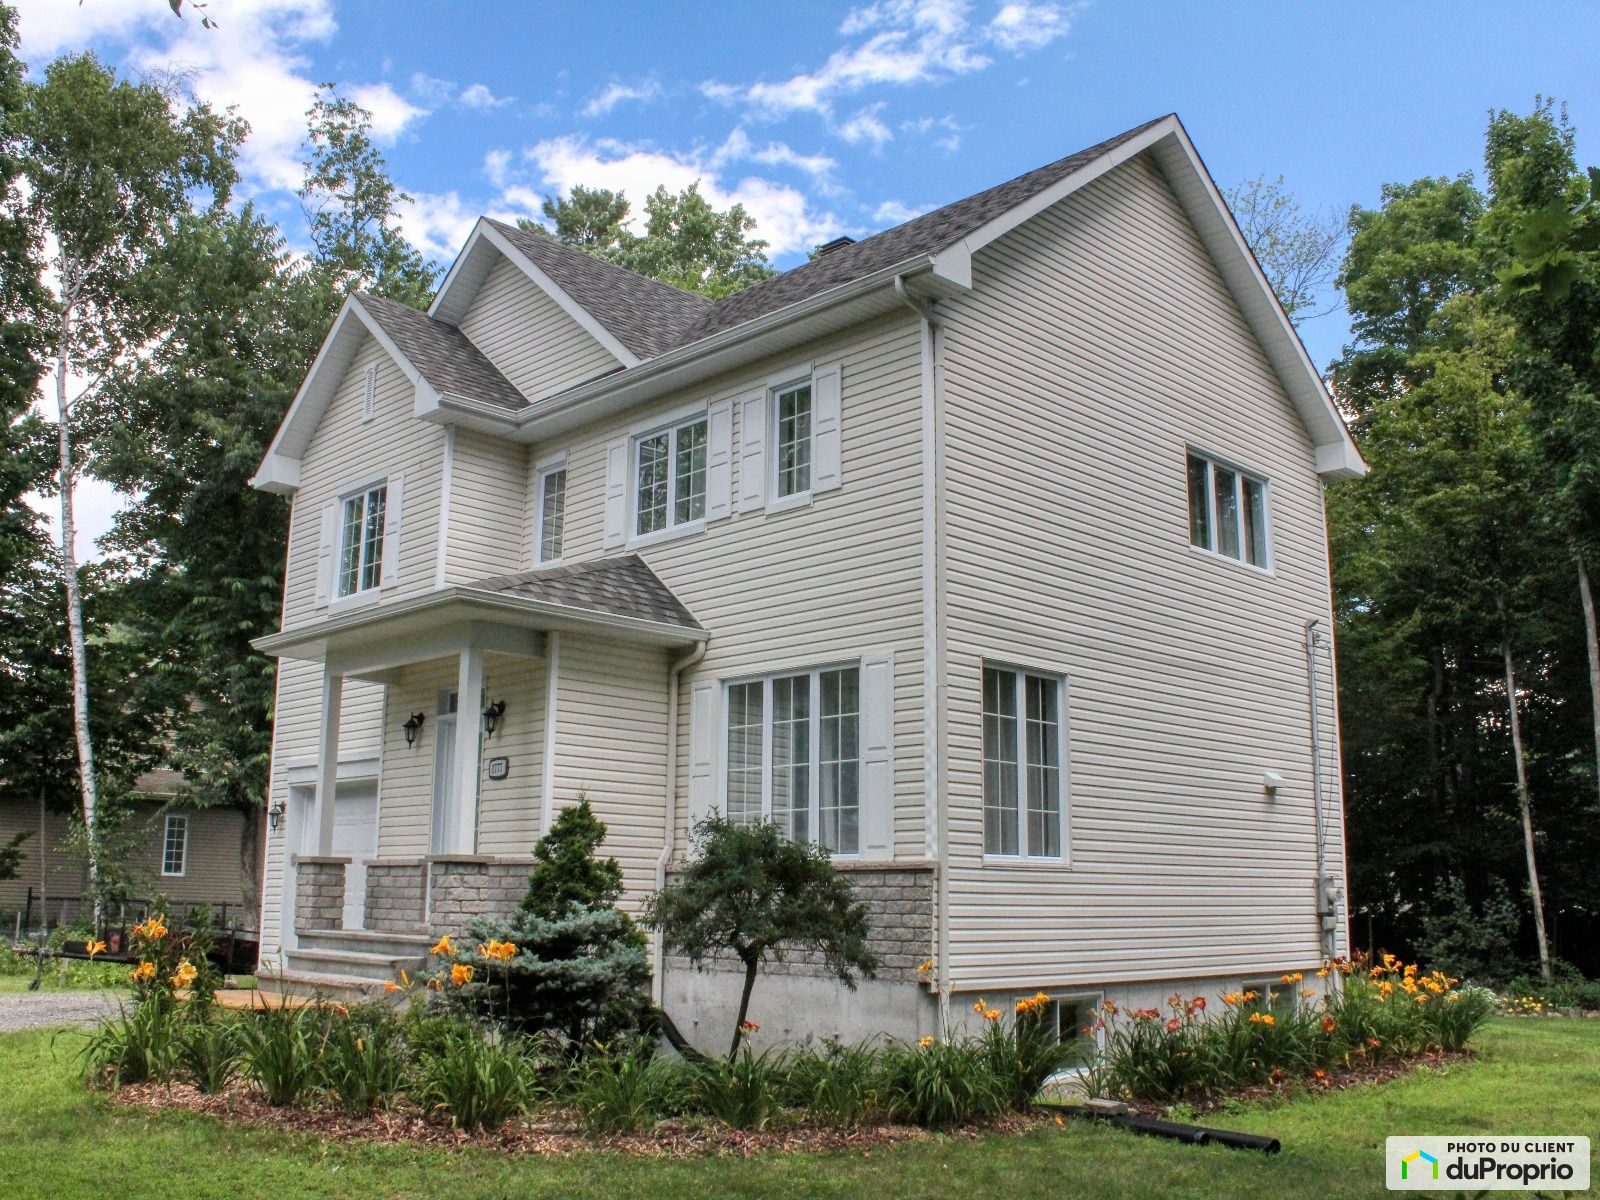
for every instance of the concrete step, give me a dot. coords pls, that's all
(384, 968)
(362, 941)
(348, 989)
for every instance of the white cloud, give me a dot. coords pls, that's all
(254, 59)
(784, 215)
(617, 93)
(739, 148)
(1020, 26)
(496, 166)
(478, 95)
(893, 212)
(948, 129)
(438, 223)
(896, 43)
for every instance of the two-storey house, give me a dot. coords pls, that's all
(987, 551)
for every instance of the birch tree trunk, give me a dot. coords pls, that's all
(1524, 799)
(69, 579)
(1592, 639)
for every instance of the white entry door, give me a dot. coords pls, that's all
(355, 836)
(444, 779)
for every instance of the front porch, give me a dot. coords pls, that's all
(491, 696)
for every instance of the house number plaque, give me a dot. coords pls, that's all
(499, 768)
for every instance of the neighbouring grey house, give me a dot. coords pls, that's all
(989, 551)
(189, 855)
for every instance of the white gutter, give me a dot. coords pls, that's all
(673, 681)
(933, 674)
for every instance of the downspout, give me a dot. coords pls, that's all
(1327, 905)
(933, 681)
(552, 705)
(674, 677)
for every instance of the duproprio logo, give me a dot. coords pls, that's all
(1419, 1157)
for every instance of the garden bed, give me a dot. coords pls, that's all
(241, 1104)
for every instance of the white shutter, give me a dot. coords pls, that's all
(704, 736)
(753, 452)
(327, 548)
(877, 756)
(719, 460)
(825, 426)
(393, 501)
(616, 494)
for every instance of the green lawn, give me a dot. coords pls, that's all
(1534, 1076)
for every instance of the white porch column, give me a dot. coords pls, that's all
(469, 743)
(328, 759)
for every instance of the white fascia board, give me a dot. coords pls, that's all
(461, 270)
(568, 305)
(280, 467)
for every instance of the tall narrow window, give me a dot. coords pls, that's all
(794, 440)
(552, 513)
(1227, 511)
(361, 541)
(1024, 785)
(175, 845)
(670, 477)
(794, 755)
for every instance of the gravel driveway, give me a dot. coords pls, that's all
(46, 1010)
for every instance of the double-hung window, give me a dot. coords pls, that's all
(552, 514)
(1024, 753)
(792, 420)
(1227, 511)
(361, 540)
(794, 755)
(175, 845)
(670, 477)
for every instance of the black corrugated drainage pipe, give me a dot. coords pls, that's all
(1193, 1135)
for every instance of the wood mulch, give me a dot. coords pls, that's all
(243, 1105)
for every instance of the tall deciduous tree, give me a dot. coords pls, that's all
(111, 166)
(1298, 250)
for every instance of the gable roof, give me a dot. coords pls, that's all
(621, 587)
(442, 354)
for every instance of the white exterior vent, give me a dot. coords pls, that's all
(369, 392)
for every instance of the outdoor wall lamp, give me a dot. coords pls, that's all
(412, 725)
(492, 715)
(275, 815)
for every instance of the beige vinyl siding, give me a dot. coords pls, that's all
(509, 809)
(1097, 344)
(531, 338)
(813, 585)
(489, 479)
(346, 452)
(611, 745)
(63, 872)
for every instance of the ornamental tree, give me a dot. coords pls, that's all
(750, 892)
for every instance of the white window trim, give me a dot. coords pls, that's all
(777, 385)
(166, 835)
(1268, 568)
(1094, 998)
(814, 801)
(366, 595)
(541, 471)
(1063, 695)
(669, 425)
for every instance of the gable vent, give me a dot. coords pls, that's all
(838, 243)
(369, 392)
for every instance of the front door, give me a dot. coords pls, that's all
(355, 836)
(444, 777)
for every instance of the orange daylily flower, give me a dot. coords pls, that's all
(144, 972)
(185, 974)
(94, 948)
(444, 947)
(461, 974)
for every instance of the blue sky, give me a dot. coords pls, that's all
(827, 118)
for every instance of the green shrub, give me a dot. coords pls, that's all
(1025, 1051)
(281, 1051)
(364, 1063)
(940, 1084)
(478, 1081)
(743, 1093)
(836, 1085)
(1149, 1057)
(620, 1089)
(1478, 943)
(138, 1046)
(208, 1050)
(1451, 1020)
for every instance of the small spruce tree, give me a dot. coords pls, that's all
(580, 969)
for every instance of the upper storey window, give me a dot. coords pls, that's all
(670, 477)
(1227, 511)
(361, 540)
(792, 415)
(552, 513)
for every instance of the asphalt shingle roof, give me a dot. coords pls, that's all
(442, 353)
(620, 587)
(645, 315)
